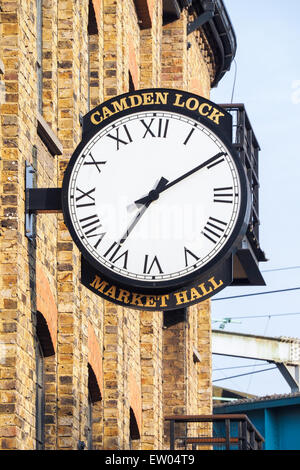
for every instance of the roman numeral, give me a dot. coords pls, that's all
(118, 139)
(189, 253)
(160, 131)
(114, 251)
(93, 162)
(86, 196)
(214, 229)
(189, 136)
(89, 225)
(224, 195)
(155, 262)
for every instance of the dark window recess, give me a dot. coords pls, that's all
(171, 10)
(92, 23)
(43, 335)
(93, 386)
(143, 13)
(131, 84)
(94, 395)
(173, 317)
(40, 397)
(39, 61)
(134, 429)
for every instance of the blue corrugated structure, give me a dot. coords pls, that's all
(276, 417)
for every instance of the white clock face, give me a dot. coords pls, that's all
(183, 224)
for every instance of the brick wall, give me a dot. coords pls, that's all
(140, 366)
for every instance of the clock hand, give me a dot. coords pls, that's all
(157, 191)
(152, 196)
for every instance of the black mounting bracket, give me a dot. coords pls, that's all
(203, 18)
(38, 200)
(41, 200)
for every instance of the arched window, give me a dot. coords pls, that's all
(134, 429)
(131, 84)
(43, 348)
(94, 396)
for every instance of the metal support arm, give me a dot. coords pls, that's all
(202, 19)
(43, 200)
(291, 374)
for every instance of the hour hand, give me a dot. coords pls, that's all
(146, 201)
(153, 194)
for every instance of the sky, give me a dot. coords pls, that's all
(268, 83)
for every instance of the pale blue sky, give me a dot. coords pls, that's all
(268, 83)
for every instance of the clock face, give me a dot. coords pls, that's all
(154, 199)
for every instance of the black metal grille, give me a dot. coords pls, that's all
(248, 149)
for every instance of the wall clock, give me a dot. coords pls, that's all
(154, 195)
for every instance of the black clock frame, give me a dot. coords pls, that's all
(223, 132)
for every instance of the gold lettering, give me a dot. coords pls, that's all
(189, 104)
(111, 292)
(119, 105)
(135, 100)
(106, 112)
(214, 283)
(148, 98)
(98, 284)
(201, 109)
(181, 297)
(150, 301)
(136, 300)
(204, 290)
(177, 101)
(161, 98)
(163, 300)
(195, 294)
(93, 118)
(123, 296)
(215, 116)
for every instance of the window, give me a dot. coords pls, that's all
(172, 317)
(133, 430)
(39, 45)
(43, 349)
(40, 397)
(94, 396)
(131, 84)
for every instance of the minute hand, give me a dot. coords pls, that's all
(146, 199)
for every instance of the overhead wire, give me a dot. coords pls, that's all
(256, 293)
(238, 367)
(280, 269)
(247, 373)
(259, 316)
